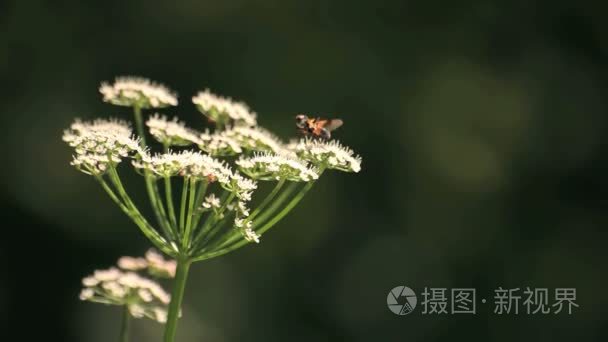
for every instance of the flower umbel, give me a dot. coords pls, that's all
(142, 296)
(223, 109)
(139, 92)
(99, 143)
(202, 206)
(256, 139)
(171, 133)
(270, 166)
(327, 154)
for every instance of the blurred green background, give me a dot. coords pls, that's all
(482, 126)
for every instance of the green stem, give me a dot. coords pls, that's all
(136, 216)
(182, 208)
(169, 199)
(287, 209)
(124, 327)
(200, 195)
(186, 238)
(276, 204)
(139, 125)
(151, 186)
(177, 295)
(267, 200)
(236, 234)
(212, 219)
(229, 248)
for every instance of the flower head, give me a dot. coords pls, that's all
(270, 166)
(219, 144)
(99, 143)
(223, 109)
(137, 91)
(158, 266)
(256, 139)
(171, 133)
(327, 154)
(242, 187)
(142, 296)
(186, 164)
(211, 201)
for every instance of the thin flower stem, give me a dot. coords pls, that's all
(200, 195)
(236, 234)
(139, 125)
(192, 192)
(169, 199)
(166, 225)
(276, 204)
(136, 216)
(151, 186)
(267, 200)
(177, 295)
(211, 220)
(112, 195)
(124, 327)
(182, 208)
(260, 231)
(286, 210)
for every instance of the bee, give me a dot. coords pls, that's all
(317, 127)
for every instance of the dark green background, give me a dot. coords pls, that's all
(482, 126)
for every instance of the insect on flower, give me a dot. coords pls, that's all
(317, 127)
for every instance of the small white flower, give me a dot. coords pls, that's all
(240, 186)
(256, 139)
(86, 294)
(223, 109)
(132, 264)
(327, 154)
(158, 266)
(241, 207)
(274, 167)
(145, 295)
(107, 275)
(250, 235)
(90, 281)
(171, 133)
(137, 91)
(211, 202)
(185, 164)
(218, 144)
(161, 315)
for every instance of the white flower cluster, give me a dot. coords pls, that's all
(99, 143)
(211, 202)
(153, 262)
(327, 154)
(137, 91)
(269, 166)
(241, 186)
(255, 139)
(185, 164)
(223, 109)
(244, 225)
(219, 144)
(171, 133)
(142, 296)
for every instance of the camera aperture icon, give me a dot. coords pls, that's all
(401, 300)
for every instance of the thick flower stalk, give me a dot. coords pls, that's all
(203, 206)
